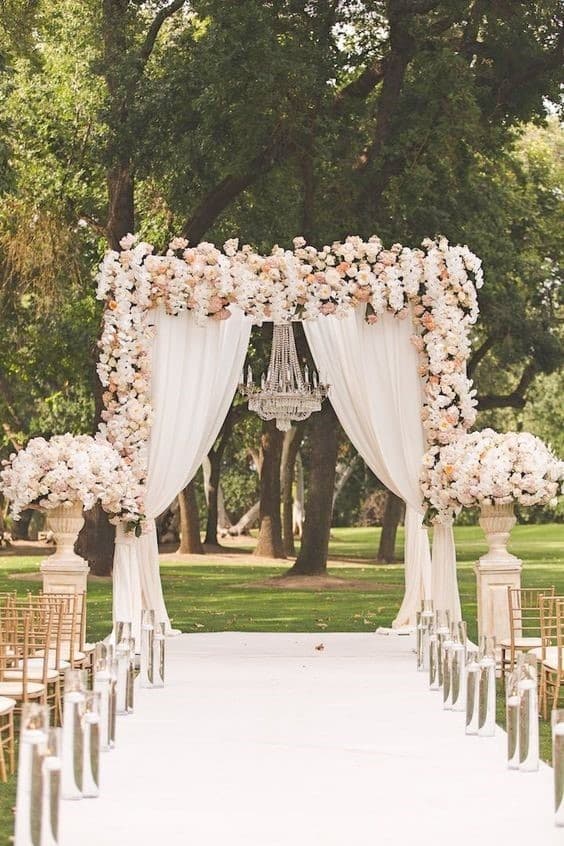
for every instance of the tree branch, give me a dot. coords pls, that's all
(394, 65)
(479, 354)
(414, 7)
(515, 399)
(155, 28)
(218, 199)
(360, 87)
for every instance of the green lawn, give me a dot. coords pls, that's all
(214, 597)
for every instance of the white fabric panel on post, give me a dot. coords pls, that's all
(126, 595)
(444, 582)
(195, 372)
(377, 394)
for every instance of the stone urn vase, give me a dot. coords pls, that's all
(65, 571)
(496, 522)
(496, 571)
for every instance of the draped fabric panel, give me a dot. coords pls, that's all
(444, 584)
(126, 595)
(195, 371)
(377, 395)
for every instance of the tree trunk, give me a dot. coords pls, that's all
(343, 478)
(312, 559)
(121, 216)
(247, 521)
(270, 542)
(212, 473)
(96, 541)
(298, 504)
(392, 516)
(291, 444)
(223, 519)
(214, 459)
(190, 541)
(21, 527)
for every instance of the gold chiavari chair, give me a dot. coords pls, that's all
(43, 662)
(551, 652)
(7, 598)
(87, 648)
(71, 604)
(7, 738)
(524, 623)
(16, 643)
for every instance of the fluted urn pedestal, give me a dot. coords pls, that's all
(495, 571)
(65, 571)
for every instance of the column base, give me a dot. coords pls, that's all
(493, 578)
(64, 576)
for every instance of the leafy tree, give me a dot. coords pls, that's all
(264, 119)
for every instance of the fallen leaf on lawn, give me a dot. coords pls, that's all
(321, 625)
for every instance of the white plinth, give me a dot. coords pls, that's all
(65, 571)
(495, 571)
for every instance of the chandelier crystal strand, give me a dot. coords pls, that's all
(285, 393)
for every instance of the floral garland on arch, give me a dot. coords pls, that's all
(438, 281)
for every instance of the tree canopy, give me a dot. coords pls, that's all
(265, 120)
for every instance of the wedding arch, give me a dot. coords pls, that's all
(388, 329)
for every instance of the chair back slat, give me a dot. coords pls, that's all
(524, 611)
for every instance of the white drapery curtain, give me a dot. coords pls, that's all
(195, 371)
(377, 395)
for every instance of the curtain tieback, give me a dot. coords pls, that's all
(124, 538)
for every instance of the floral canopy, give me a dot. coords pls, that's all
(434, 286)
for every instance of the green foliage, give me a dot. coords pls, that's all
(46, 367)
(274, 97)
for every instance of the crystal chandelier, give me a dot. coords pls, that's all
(285, 394)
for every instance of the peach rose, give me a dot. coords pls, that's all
(363, 294)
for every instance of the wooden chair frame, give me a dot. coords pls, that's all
(7, 738)
(524, 623)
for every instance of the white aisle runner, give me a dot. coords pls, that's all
(262, 740)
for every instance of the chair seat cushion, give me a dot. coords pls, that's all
(8, 688)
(34, 664)
(550, 660)
(64, 654)
(522, 642)
(33, 673)
(6, 705)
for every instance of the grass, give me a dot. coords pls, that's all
(214, 597)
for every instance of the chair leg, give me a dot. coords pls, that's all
(556, 693)
(543, 698)
(3, 770)
(58, 704)
(12, 744)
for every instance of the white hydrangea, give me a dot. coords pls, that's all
(66, 469)
(490, 467)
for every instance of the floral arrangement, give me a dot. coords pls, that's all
(63, 470)
(435, 285)
(488, 467)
